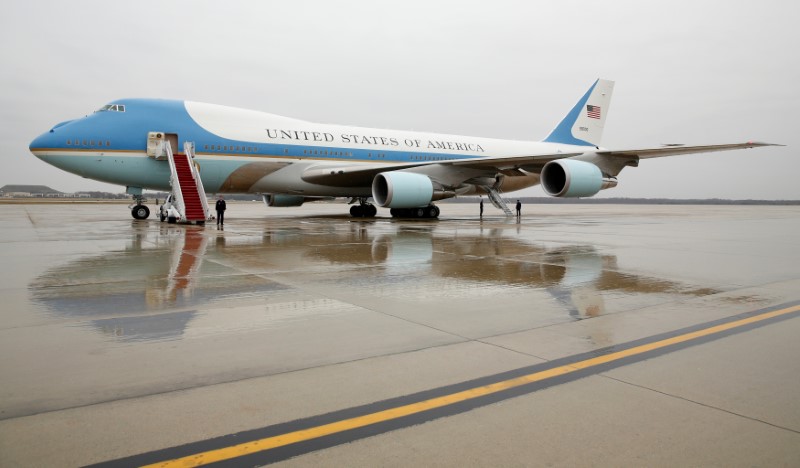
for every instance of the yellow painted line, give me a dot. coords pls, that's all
(282, 440)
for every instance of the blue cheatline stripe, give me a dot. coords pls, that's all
(243, 448)
(563, 132)
(128, 130)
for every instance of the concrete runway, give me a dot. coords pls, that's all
(121, 338)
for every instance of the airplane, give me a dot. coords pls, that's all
(291, 162)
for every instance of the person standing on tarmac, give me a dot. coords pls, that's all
(519, 209)
(481, 207)
(220, 211)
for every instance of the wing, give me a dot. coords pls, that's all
(511, 163)
(360, 175)
(611, 161)
(677, 149)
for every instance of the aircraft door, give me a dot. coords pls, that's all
(172, 138)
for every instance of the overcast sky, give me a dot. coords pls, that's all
(686, 72)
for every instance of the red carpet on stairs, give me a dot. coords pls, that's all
(191, 199)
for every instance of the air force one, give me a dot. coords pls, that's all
(191, 149)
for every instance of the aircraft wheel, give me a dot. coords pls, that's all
(162, 217)
(419, 212)
(371, 211)
(140, 212)
(433, 211)
(172, 220)
(356, 211)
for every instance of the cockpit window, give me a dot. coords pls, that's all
(112, 108)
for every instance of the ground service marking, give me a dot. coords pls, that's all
(282, 440)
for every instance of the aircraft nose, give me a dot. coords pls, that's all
(40, 143)
(46, 140)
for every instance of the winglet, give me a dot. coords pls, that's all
(583, 125)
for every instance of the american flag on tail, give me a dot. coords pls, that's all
(593, 112)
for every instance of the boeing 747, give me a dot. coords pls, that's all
(136, 142)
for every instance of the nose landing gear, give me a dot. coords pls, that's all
(138, 209)
(140, 212)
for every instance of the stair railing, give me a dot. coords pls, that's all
(188, 148)
(177, 194)
(497, 200)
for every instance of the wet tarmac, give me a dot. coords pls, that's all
(120, 337)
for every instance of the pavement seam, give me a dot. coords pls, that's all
(699, 403)
(515, 351)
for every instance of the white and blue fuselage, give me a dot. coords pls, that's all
(243, 151)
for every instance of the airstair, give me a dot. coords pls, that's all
(189, 197)
(497, 200)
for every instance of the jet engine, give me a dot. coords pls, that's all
(402, 190)
(283, 200)
(571, 178)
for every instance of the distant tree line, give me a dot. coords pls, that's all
(628, 201)
(102, 195)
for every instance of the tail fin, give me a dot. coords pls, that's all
(584, 123)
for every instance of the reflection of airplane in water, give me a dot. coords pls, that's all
(187, 254)
(575, 275)
(163, 280)
(151, 290)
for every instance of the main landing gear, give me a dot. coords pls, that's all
(430, 212)
(139, 210)
(363, 209)
(367, 210)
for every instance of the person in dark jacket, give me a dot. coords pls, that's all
(519, 209)
(221, 211)
(481, 208)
